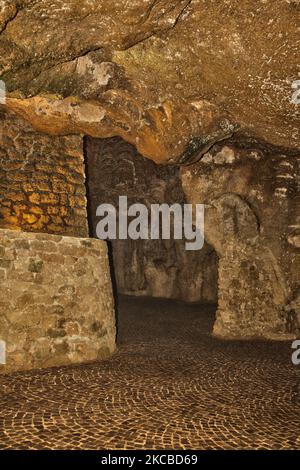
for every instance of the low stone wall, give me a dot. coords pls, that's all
(56, 302)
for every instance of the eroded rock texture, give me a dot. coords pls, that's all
(157, 268)
(170, 76)
(253, 222)
(56, 304)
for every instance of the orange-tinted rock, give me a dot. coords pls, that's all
(169, 76)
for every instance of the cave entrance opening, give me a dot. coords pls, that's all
(147, 269)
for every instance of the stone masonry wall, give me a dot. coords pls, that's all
(42, 180)
(56, 303)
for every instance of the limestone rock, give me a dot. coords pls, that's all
(170, 76)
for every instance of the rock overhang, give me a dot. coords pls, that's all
(172, 77)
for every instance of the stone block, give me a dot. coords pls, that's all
(53, 308)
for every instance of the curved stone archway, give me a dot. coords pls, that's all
(247, 223)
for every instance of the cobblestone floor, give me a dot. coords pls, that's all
(169, 386)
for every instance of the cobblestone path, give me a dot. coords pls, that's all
(169, 386)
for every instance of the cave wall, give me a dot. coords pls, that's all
(42, 180)
(158, 268)
(253, 222)
(56, 304)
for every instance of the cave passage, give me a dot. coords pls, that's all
(146, 268)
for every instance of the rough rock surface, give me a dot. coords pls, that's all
(253, 222)
(170, 76)
(56, 304)
(156, 268)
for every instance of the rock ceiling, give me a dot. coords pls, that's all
(170, 76)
